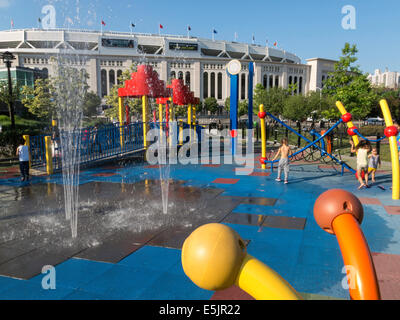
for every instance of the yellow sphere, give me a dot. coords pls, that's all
(212, 256)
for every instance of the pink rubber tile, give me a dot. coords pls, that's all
(387, 268)
(370, 201)
(232, 293)
(392, 210)
(226, 181)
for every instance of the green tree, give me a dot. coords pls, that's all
(227, 104)
(40, 99)
(275, 100)
(296, 108)
(211, 104)
(393, 98)
(350, 86)
(135, 104)
(91, 103)
(260, 96)
(5, 95)
(319, 105)
(243, 108)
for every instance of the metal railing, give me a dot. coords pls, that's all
(95, 144)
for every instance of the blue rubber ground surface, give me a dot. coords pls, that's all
(308, 259)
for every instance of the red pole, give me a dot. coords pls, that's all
(154, 116)
(128, 120)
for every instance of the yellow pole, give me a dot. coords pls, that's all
(263, 283)
(194, 119)
(350, 124)
(190, 115)
(393, 151)
(263, 139)
(121, 120)
(181, 132)
(145, 107)
(49, 156)
(190, 120)
(28, 144)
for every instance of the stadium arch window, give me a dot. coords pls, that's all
(265, 81)
(45, 73)
(276, 81)
(243, 86)
(219, 86)
(103, 83)
(180, 75)
(300, 85)
(323, 80)
(205, 85)
(111, 76)
(173, 75)
(290, 80)
(212, 84)
(271, 81)
(187, 79)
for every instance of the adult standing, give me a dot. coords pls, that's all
(23, 155)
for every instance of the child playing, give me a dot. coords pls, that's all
(23, 154)
(374, 161)
(284, 151)
(362, 150)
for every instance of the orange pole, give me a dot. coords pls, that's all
(356, 254)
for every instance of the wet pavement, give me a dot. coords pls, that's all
(128, 249)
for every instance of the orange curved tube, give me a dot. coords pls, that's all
(363, 283)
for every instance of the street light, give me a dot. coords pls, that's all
(8, 57)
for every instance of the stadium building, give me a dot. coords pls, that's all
(201, 63)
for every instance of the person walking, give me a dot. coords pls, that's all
(23, 155)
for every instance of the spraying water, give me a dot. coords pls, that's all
(71, 88)
(164, 166)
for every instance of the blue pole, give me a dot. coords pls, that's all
(234, 100)
(251, 76)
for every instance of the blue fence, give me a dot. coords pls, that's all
(96, 144)
(37, 150)
(93, 144)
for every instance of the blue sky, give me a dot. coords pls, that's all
(308, 28)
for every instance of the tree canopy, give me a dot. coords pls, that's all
(40, 100)
(350, 86)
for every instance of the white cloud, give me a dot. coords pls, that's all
(5, 3)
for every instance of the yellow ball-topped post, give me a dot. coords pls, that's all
(350, 124)
(215, 258)
(262, 114)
